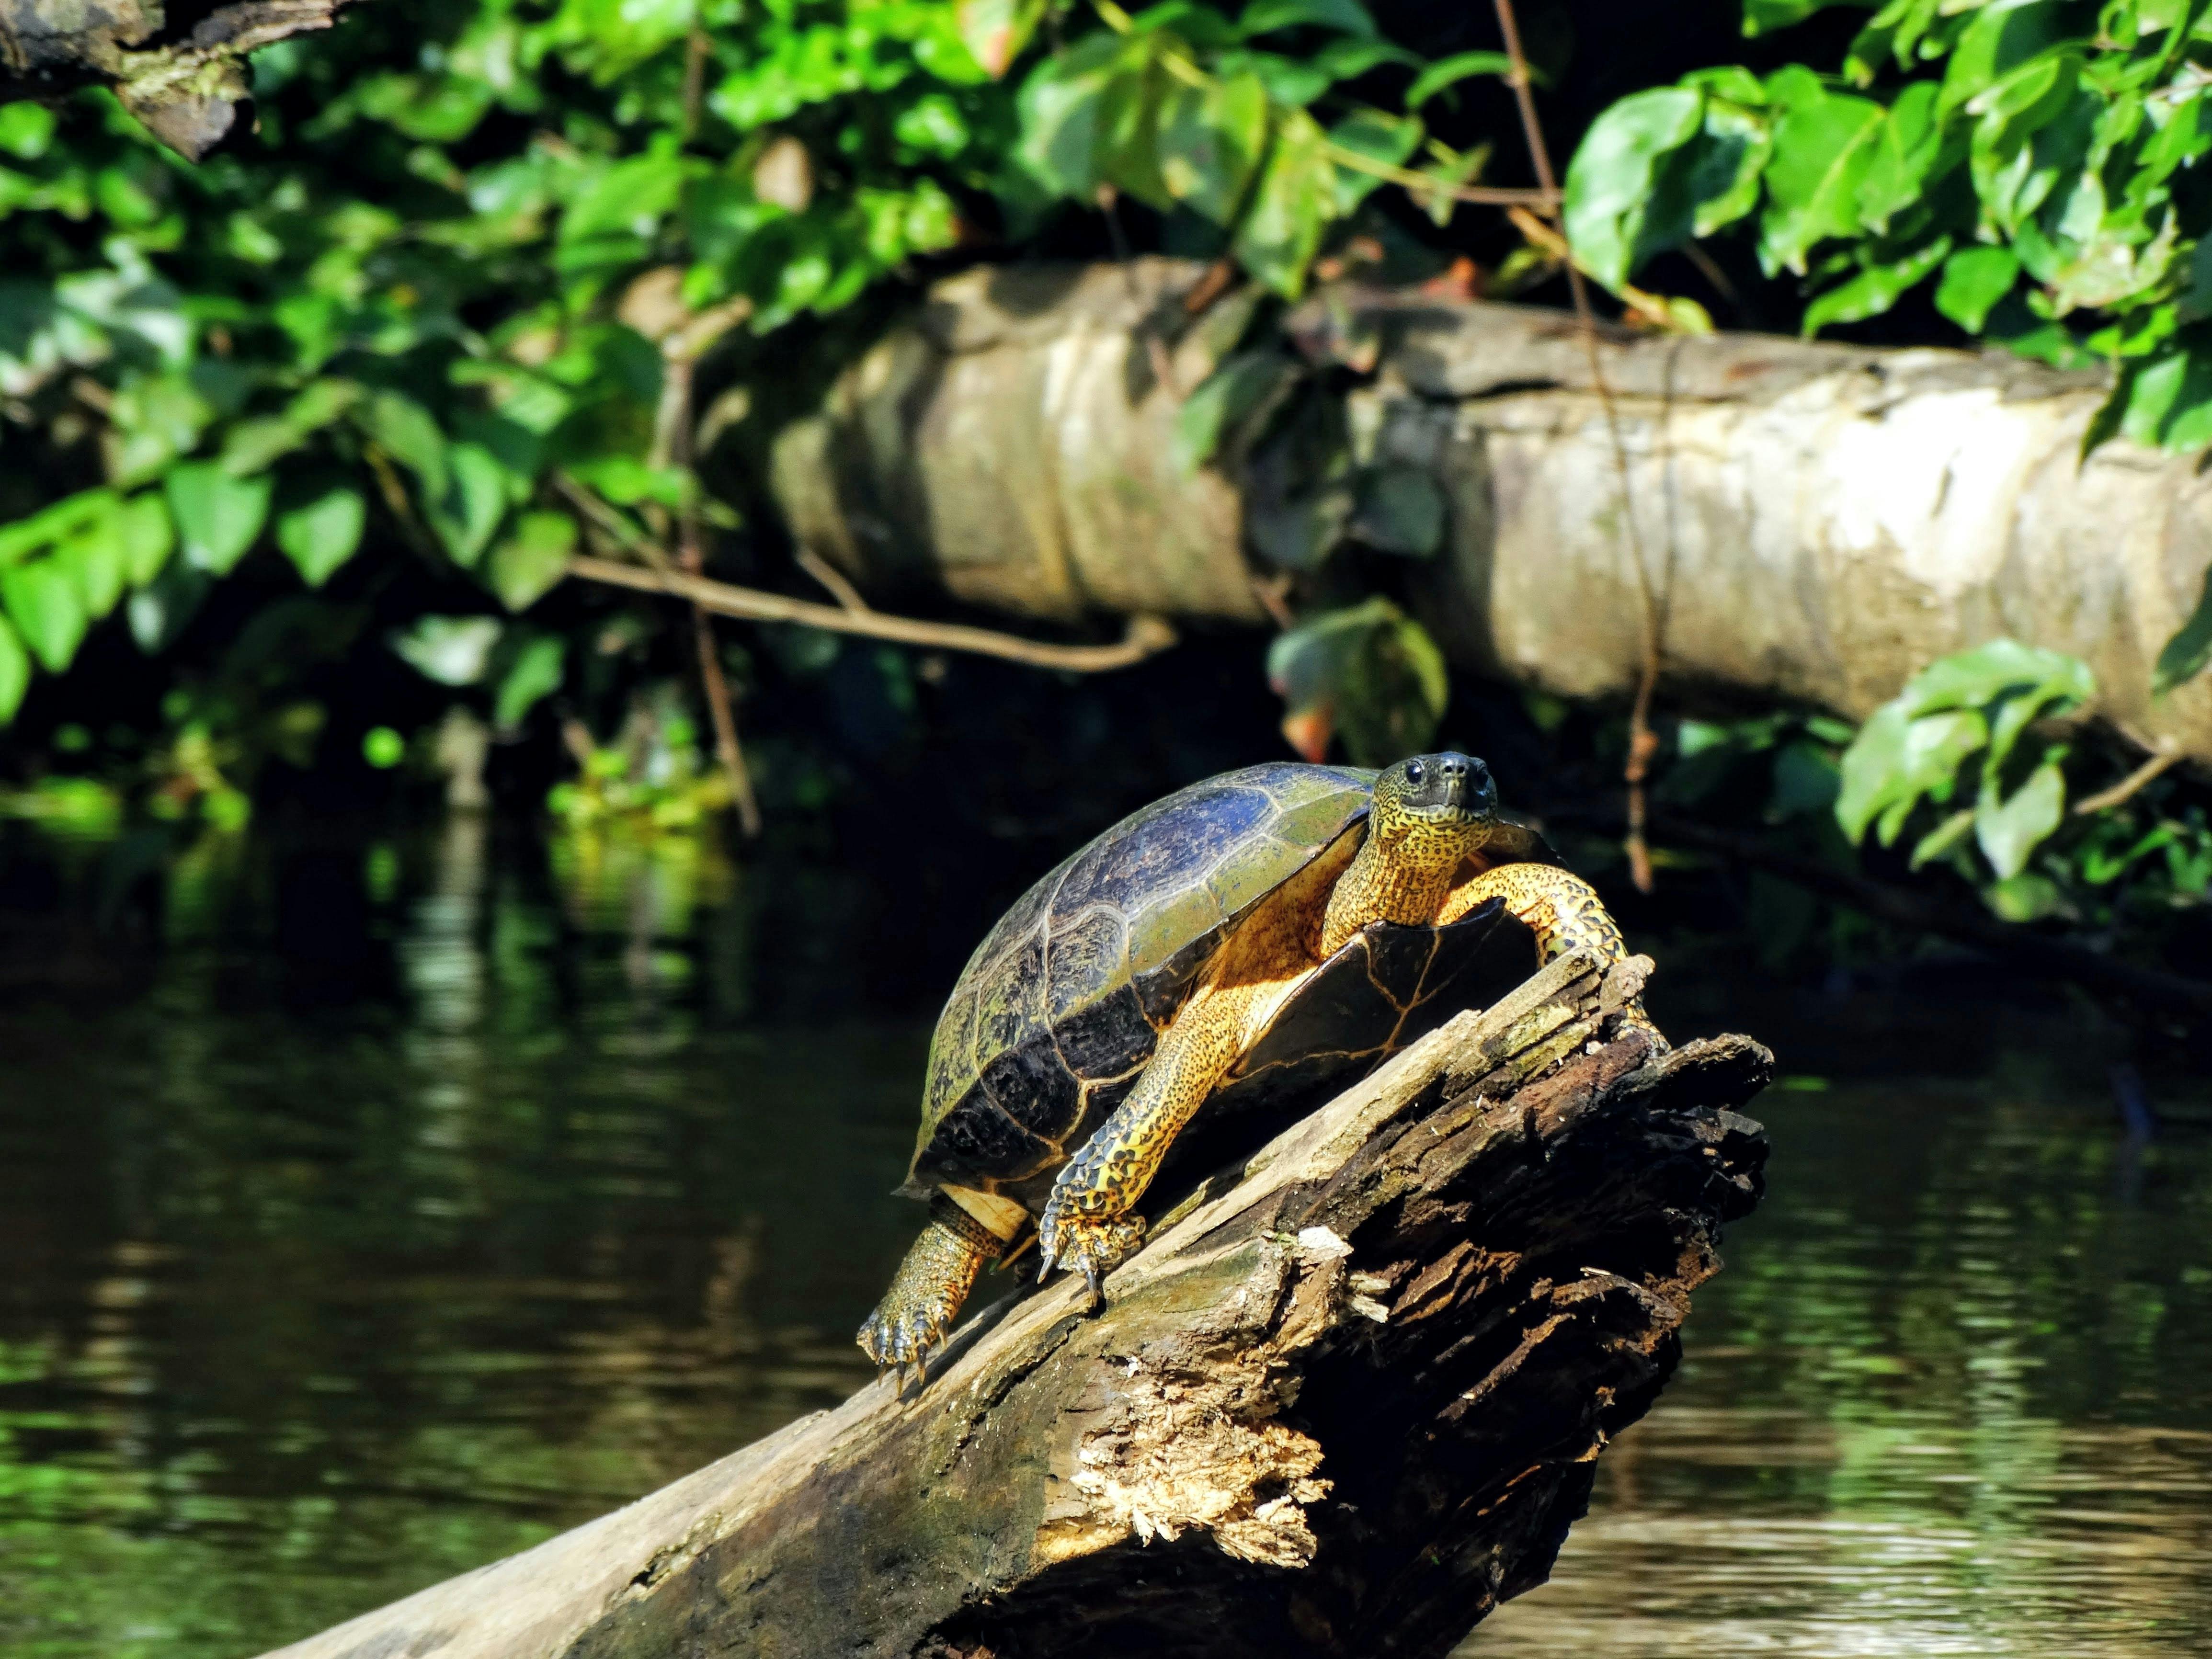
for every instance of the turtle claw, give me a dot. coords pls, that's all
(1090, 1246)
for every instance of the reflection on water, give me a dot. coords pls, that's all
(1954, 1395)
(335, 1269)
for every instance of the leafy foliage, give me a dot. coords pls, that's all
(2033, 164)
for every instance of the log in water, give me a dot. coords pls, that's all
(1346, 1400)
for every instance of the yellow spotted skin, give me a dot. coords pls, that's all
(1404, 873)
(1419, 861)
(932, 1282)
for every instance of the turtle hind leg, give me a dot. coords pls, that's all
(926, 1292)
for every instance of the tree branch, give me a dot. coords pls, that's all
(1145, 636)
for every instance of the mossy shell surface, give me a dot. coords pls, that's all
(1062, 1005)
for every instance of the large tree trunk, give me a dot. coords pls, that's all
(1819, 521)
(180, 69)
(1345, 1402)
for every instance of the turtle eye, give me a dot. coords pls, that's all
(1415, 771)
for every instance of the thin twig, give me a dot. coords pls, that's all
(1145, 636)
(2169, 754)
(1643, 742)
(695, 50)
(830, 576)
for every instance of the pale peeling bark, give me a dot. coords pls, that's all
(1345, 1401)
(1820, 520)
(181, 69)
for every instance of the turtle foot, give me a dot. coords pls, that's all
(925, 1297)
(1089, 1246)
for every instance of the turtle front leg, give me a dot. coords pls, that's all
(1086, 1227)
(1564, 913)
(926, 1292)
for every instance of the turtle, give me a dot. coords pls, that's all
(1240, 945)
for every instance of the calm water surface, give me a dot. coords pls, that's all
(323, 1281)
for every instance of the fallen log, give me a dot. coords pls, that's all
(1345, 1402)
(1820, 520)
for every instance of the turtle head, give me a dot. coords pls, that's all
(1434, 809)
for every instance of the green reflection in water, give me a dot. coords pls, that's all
(1953, 1395)
(309, 1303)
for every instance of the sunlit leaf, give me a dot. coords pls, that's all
(1450, 71)
(1874, 289)
(321, 535)
(45, 602)
(1368, 673)
(217, 516)
(532, 559)
(451, 650)
(1616, 215)
(1282, 229)
(1974, 280)
(1215, 407)
(14, 672)
(997, 30)
(534, 674)
(2011, 829)
(1211, 140)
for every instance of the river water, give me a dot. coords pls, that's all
(329, 1270)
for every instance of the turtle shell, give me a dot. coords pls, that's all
(1057, 1012)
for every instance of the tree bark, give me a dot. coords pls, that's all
(180, 69)
(1820, 520)
(1345, 1401)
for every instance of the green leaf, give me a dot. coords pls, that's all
(1060, 105)
(995, 31)
(1974, 280)
(1874, 289)
(2186, 654)
(451, 650)
(322, 535)
(1906, 149)
(532, 559)
(2009, 830)
(1211, 139)
(1896, 759)
(96, 560)
(534, 674)
(1387, 139)
(218, 515)
(1616, 217)
(1766, 16)
(406, 431)
(475, 502)
(1975, 679)
(14, 672)
(1822, 147)
(1943, 838)
(147, 537)
(1265, 17)
(1282, 229)
(1450, 71)
(1402, 510)
(2025, 897)
(1222, 400)
(44, 601)
(1369, 674)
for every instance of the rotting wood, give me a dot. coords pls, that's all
(1346, 1400)
(185, 80)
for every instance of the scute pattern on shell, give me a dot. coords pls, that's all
(1063, 1002)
